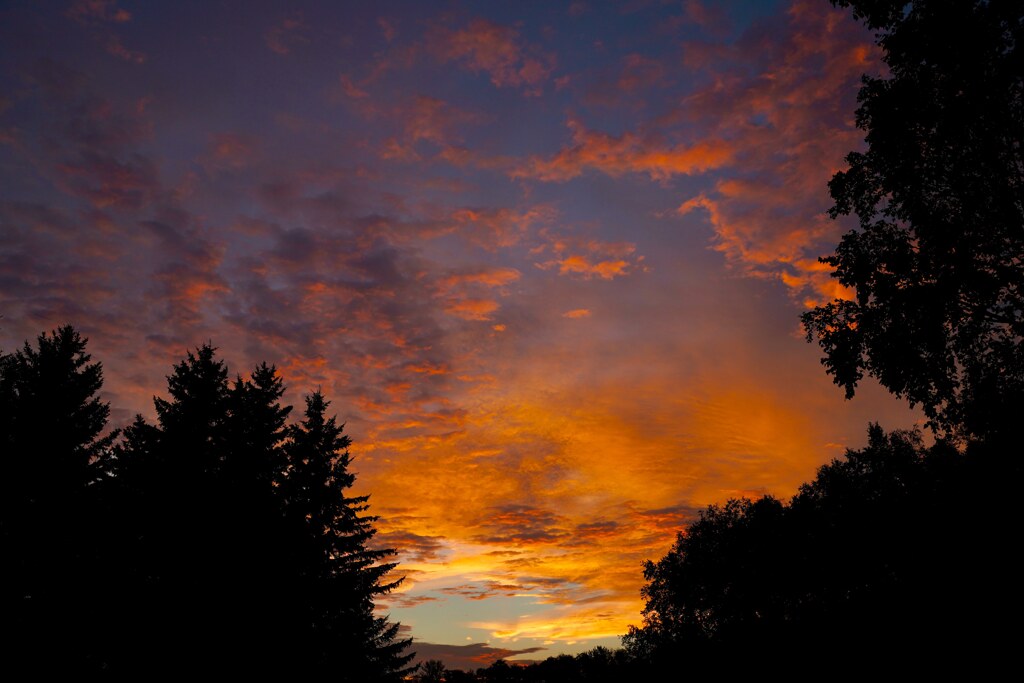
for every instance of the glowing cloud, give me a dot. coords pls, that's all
(577, 313)
(628, 153)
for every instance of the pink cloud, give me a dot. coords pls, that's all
(387, 28)
(287, 35)
(95, 11)
(230, 151)
(115, 47)
(467, 657)
(351, 89)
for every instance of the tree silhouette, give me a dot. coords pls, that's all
(432, 671)
(51, 408)
(937, 263)
(53, 451)
(218, 539)
(896, 552)
(719, 587)
(341, 574)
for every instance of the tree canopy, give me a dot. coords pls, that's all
(936, 263)
(895, 553)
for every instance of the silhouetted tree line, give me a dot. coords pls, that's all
(899, 553)
(601, 665)
(219, 540)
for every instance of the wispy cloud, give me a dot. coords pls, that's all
(485, 46)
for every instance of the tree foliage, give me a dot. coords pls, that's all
(52, 447)
(937, 260)
(895, 550)
(219, 539)
(344, 574)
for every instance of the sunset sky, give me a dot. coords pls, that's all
(546, 259)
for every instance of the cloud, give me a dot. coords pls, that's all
(415, 547)
(772, 123)
(515, 524)
(98, 14)
(106, 181)
(96, 11)
(351, 89)
(566, 624)
(287, 35)
(577, 313)
(623, 86)
(628, 153)
(588, 258)
(709, 16)
(472, 309)
(115, 47)
(230, 151)
(387, 28)
(467, 657)
(424, 120)
(485, 46)
(495, 228)
(494, 277)
(791, 115)
(581, 265)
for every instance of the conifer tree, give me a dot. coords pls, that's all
(341, 574)
(52, 448)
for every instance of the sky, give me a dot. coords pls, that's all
(546, 259)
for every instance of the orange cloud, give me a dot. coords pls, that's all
(577, 313)
(472, 309)
(494, 277)
(566, 624)
(423, 119)
(581, 265)
(588, 258)
(629, 153)
(497, 50)
(792, 121)
(494, 228)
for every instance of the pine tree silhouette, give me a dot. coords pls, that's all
(341, 574)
